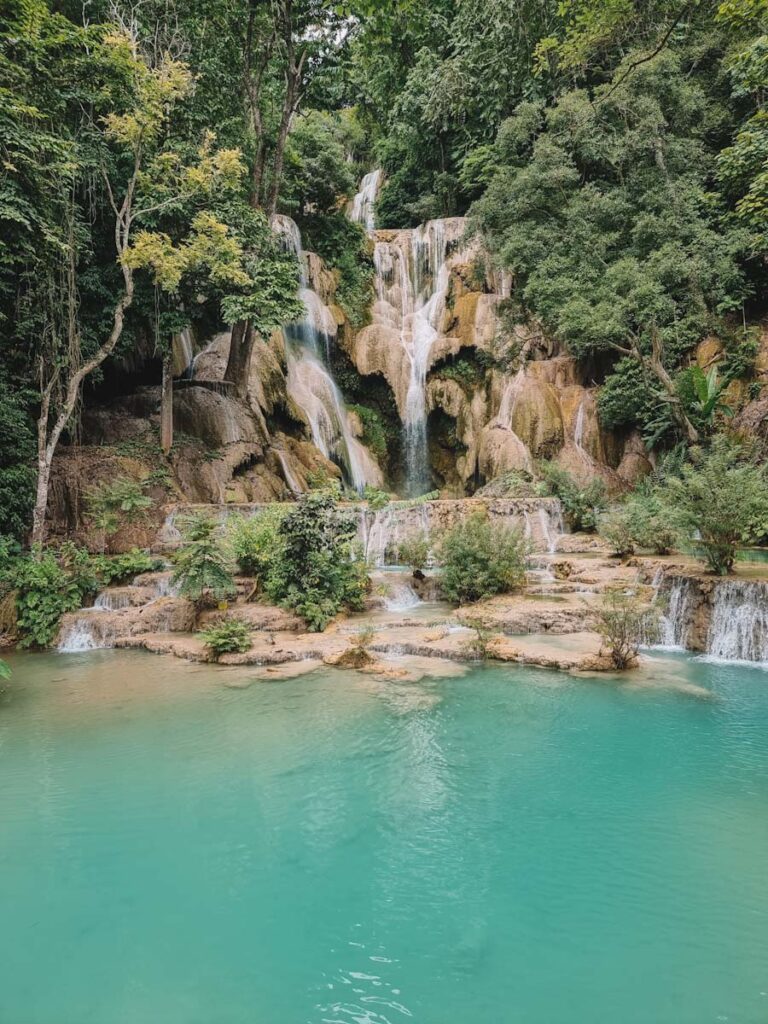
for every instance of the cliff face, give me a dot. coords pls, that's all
(476, 395)
(501, 396)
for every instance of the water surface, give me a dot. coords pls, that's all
(181, 847)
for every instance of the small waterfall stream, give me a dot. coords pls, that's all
(738, 617)
(310, 383)
(677, 609)
(362, 209)
(738, 629)
(578, 430)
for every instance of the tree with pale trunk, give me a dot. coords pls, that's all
(157, 180)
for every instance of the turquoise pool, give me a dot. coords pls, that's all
(181, 847)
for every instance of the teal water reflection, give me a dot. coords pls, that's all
(179, 847)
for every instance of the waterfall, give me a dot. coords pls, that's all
(183, 353)
(112, 600)
(738, 629)
(293, 484)
(412, 274)
(578, 430)
(401, 598)
(80, 637)
(310, 384)
(381, 532)
(674, 622)
(362, 209)
(551, 523)
(509, 399)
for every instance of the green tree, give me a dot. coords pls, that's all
(624, 623)
(602, 209)
(318, 572)
(720, 497)
(202, 565)
(481, 558)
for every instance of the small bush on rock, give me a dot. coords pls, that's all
(228, 635)
(358, 655)
(581, 505)
(204, 570)
(413, 550)
(624, 623)
(616, 528)
(318, 572)
(481, 558)
(115, 504)
(256, 542)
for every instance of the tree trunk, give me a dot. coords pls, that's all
(166, 403)
(655, 365)
(41, 501)
(239, 361)
(47, 441)
(282, 136)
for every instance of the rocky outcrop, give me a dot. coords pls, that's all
(431, 308)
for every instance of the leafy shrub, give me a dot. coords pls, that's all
(376, 498)
(256, 541)
(512, 484)
(203, 570)
(721, 495)
(479, 645)
(228, 635)
(481, 558)
(318, 573)
(112, 505)
(413, 550)
(466, 373)
(48, 585)
(5, 672)
(702, 395)
(629, 398)
(119, 568)
(581, 505)
(374, 431)
(624, 623)
(616, 527)
(649, 522)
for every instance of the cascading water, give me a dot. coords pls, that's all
(738, 629)
(310, 383)
(674, 621)
(412, 273)
(401, 597)
(578, 430)
(362, 208)
(183, 353)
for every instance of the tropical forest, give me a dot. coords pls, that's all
(383, 511)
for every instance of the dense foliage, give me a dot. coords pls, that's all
(481, 558)
(256, 542)
(203, 570)
(581, 505)
(228, 635)
(721, 499)
(318, 572)
(612, 155)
